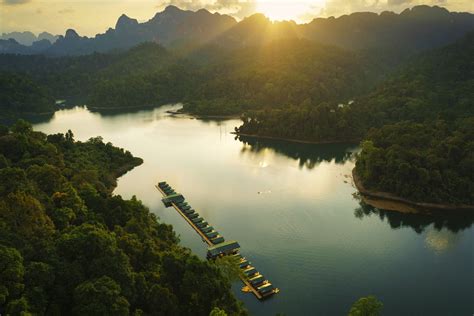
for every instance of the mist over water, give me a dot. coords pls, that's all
(292, 209)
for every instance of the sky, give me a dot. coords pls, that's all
(89, 17)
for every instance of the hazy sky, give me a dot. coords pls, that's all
(89, 17)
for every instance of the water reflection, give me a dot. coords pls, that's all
(307, 155)
(441, 240)
(111, 112)
(419, 222)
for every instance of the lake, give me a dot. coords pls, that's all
(292, 209)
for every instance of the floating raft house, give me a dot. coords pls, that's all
(257, 280)
(223, 249)
(254, 281)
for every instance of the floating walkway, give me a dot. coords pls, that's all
(218, 246)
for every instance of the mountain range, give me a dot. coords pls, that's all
(28, 38)
(415, 29)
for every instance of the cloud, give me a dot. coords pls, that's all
(338, 7)
(66, 11)
(408, 3)
(14, 2)
(398, 2)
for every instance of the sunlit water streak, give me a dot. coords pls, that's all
(291, 208)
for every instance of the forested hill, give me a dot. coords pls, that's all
(281, 73)
(423, 162)
(20, 94)
(69, 247)
(439, 84)
(91, 79)
(431, 158)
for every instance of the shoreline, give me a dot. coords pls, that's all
(29, 114)
(294, 140)
(122, 170)
(94, 108)
(203, 117)
(396, 203)
(222, 117)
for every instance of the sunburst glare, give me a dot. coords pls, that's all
(298, 11)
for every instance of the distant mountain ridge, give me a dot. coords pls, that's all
(169, 27)
(28, 38)
(419, 28)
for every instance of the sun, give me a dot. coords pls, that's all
(298, 10)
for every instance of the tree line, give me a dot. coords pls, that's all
(429, 162)
(282, 73)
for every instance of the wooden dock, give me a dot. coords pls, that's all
(263, 289)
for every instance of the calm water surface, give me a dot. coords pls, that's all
(291, 207)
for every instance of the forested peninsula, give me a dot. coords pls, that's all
(429, 166)
(70, 247)
(424, 149)
(435, 85)
(417, 129)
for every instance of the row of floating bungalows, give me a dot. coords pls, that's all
(220, 247)
(191, 214)
(200, 223)
(254, 278)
